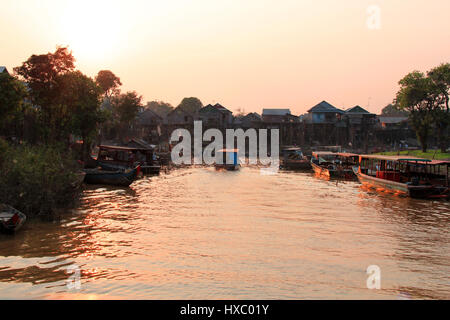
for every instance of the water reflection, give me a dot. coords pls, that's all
(201, 233)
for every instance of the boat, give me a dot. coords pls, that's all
(11, 219)
(230, 160)
(323, 164)
(111, 177)
(403, 175)
(345, 165)
(292, 158)
(113, 158)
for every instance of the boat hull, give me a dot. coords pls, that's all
(145, 169)
(228, 167)
(117, 178)
(409, 190)
(295, 164)
(11, 220)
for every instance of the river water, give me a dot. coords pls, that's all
(197, 233)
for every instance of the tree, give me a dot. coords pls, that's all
(41, 73)
(159, 107)
(440, 76)
(82, 98)
(126, 108)
(418, 95)
(108, 82)
(392, 110)
(191, 104)
(12, 100)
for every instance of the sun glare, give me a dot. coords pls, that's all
(92, 29)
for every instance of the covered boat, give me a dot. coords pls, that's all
(230, 160)
(292, 158)
(11, 219)
(118, 177)
(404, 175)
(114, 158)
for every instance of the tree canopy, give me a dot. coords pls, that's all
(108, 82)
(191, 104)
(159, 107)
(392, 110)
(425, 97)
(12, 98)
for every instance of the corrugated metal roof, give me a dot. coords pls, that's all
(276, 112)
(325, 107)
(393, 158)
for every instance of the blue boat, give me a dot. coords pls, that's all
(117, 177)
(230, 160)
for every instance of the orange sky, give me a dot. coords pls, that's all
(248, 54)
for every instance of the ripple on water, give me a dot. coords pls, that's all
(198, 233)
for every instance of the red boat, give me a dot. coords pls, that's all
(403, 175)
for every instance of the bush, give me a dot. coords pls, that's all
(37, 179)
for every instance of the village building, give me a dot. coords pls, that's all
(149, 124)
(291, 129)
(215, 116)
(3, 70)
(360, 126)
(250, 120)
(325, 125)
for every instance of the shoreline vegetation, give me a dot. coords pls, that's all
(47, 107)
(430, 154)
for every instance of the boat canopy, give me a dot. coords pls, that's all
(393, 158)
(229, 150)
(347, 155)
(434, 162)
(324, 153)
(122, 148)
(291, 149)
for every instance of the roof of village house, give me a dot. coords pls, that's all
(392, 119)
(254, 115)
(356, 109)
(147, 115)
(3, 69)
(217, 106)
(324, 107)
(276, 112)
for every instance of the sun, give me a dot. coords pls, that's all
(92, 29)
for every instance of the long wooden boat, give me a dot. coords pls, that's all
(117, 178)
(230, 160)
(334, 165)
(11, 219)
(123, 157)
(408, 176)
(292, 158)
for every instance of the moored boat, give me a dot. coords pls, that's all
(334, 165)
(230, 160)
(292, 158)
(114, 158)
(403, 175)
(118, 177)
(11, 219)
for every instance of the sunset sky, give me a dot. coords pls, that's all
(248, 54)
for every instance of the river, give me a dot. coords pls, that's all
(197, 233)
